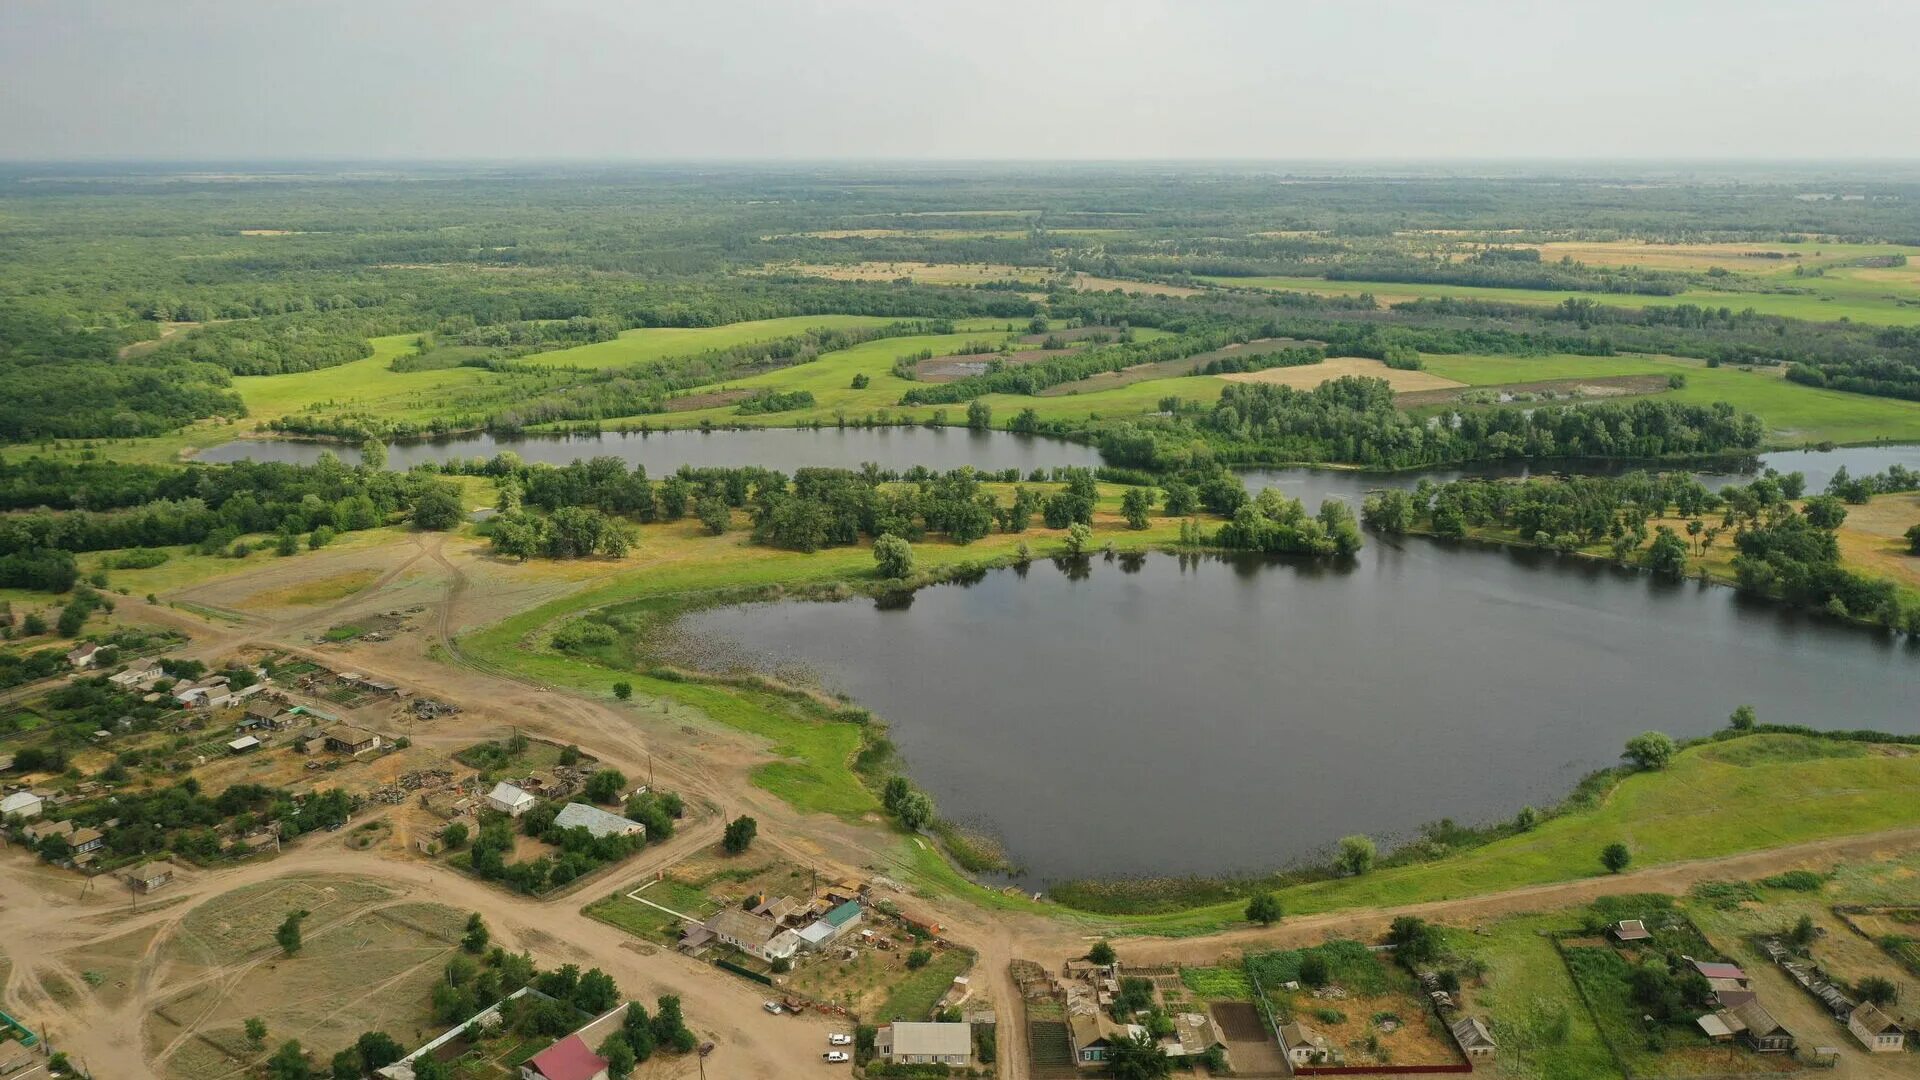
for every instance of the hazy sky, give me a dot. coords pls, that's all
(979, 79)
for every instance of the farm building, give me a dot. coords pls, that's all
(1475, 1040)
(14, 1056)
(1193, 1036)
(568, 1059)
(148, 876)
(596, 821)
(141, 673)
(1715, 1027)
(753, 935)
(1627, 931)
(1876, 1031)
(243, 744)
(20, 804)
(509, 800)
(40, 830)
(839, 920)
(347, 739)
(1303, 1045)
(925, 1044)
(82, 657)
(1756, 1027)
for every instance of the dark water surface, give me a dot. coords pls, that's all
(1165, 716)
(662, 452)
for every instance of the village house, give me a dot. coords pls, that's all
(21, 804)
(1876, 1031)
(1305, 1046)
(263, 716)
(1193, 1036)
(509, 800)
(148, 876)
(596, 821)
(824, 930)
(1475, 1040)
(1756, 1027)
(40, 830)
(139, 675)
(82, 656)
(569, 1059)
(902, 1043)
(753, 934)
(347, 739)
(86, 840)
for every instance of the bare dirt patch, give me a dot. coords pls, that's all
(1602, 386)
(942, 369)
(1146, 288)
(711, 399)
(316, 591)
(1312, 375)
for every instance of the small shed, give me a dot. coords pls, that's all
(1475, 1040)
(243, 744)
(148, 876)
(1627, 931)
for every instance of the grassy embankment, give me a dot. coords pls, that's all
(1715, 800)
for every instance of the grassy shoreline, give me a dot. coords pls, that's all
(1656, 812)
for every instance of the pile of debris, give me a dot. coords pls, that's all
(1810, 977)
(396, 793)
(428, 708)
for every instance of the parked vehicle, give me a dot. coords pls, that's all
(772, 1007)
(839, 1039)
(835, 1057)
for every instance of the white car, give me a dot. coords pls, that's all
(837, 1039)
(835, 1057)
(772, 1007)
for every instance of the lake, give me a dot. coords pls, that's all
(1169, 715)
(949, 448)
(662, 452)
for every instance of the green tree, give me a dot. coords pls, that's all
(623, 690)
(1743, 718)
(1138, 1057)
(290, 1063)
(860, 381)
(1079, 538)
(1264, 908)
(256, 1031)
(377, 1049)
(348, 1066)
(1803, 932)
(893, 556)
(1314, 970)
(619, 1055)
(288, 543)
(477, 936)
(1414, 940)
(1101, 953)
(373, 454)
(1526, 819)
(1356, 855)
(739, 834)
(288, 936)
(1877, 990)
(918, 959)
(1667, 555)
(1135, 506)
(714, 513)
(320, 537)
(1651, 750)
(437, 507)
(915, 810)
(979, 415)
(1615, 857)
(605, 786)
(454, 835)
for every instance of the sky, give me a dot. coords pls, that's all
(661, 80)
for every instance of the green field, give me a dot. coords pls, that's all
(655, 343)
(1838, 295)
(1795, 415)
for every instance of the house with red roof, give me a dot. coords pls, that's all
(568, 1059)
